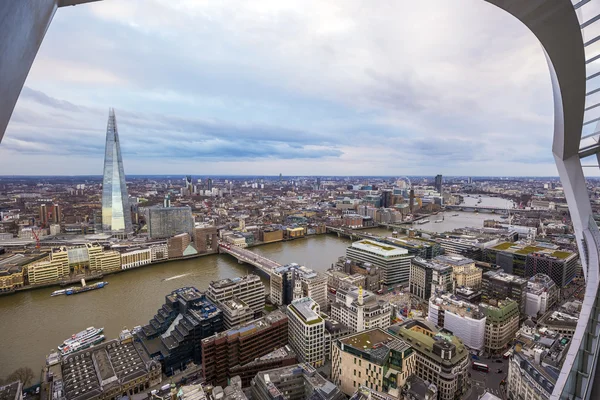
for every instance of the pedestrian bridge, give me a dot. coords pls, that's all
(246, 256)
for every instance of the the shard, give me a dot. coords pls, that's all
(116, 213)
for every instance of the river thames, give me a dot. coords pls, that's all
(33, 323)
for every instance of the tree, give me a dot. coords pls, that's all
(23, 374)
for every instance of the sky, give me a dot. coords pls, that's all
(337, 87)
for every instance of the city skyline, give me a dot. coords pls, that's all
(353, 100)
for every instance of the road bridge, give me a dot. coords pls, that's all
(246, 256)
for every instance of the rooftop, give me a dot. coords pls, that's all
(305, 308)
(454, 260)
(459, 307)
(252, 327)
(379, 248)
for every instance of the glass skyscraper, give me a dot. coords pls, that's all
(116, 214)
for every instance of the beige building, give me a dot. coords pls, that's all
(501, 325)
(464, 269)
(441, 359)
(50, 271)
(11, 278)
(373, 359)
(107, 261)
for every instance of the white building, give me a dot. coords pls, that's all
(542, 294)
(247, 288)
(463, 319)
(306, 331)
(135, 258)
(159, 251)
(393, 261)
(360, 309)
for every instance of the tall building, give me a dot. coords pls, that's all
(542, 294)
(247, 288)
(501, 324)
(393, 261)
(438, 183)
(50, 214)
(165, 222)
(464, 270)
(174, 335)
(242, 345)
(427, 276)
(360, 309)
(306, 331)
(292, 281)
(441, 359)
(463, 319)
(116, 213)
(499, 285)
(295, 382)
(371, 358)
(561, 266)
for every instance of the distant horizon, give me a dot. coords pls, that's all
(295, 176)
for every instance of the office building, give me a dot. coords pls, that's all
(48, 271)
(295, 382)
(393, 261)
(108, 370)
(306, 331)
(562, 321)
(359, 309)
(136, 257)
(248, 289)
(371, 358)
(429, 276)
(174, 335)
(292, 281)
(416, 388)
(106, 261)
(235, 312)
(418, 247)
(535, 364)
(159, 251)
(441, 358)
(466, 274)
(278, 358)
(371, 273)
(242, 345)
(165, 222)
(116, 214)
(438, 184)
(11, 277)
(499, 285)
(561, 266)
(501, 324)
(180, 246)
(541, 295)
(463, 319)
(340, 279)
(206, 239)
(526, 259)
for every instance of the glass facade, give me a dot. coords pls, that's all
(116, 214)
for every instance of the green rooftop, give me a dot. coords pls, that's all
(503, 246)
(381, 246)
(561, 254)
(423, 343)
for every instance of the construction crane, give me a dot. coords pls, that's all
(37, 239)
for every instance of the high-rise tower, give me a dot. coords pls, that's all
(116, 214)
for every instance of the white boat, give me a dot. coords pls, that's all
(423, 221)
(58, 292)
(439, 221)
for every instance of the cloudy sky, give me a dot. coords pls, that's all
(298, 87)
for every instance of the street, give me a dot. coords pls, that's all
(490, 381)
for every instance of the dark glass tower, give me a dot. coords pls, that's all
(116, 214)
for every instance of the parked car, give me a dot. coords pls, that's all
(499, 371)
(498, 361)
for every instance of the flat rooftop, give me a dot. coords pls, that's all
(454, 260)
(223, 283)
(305, 309)
(380, 249)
